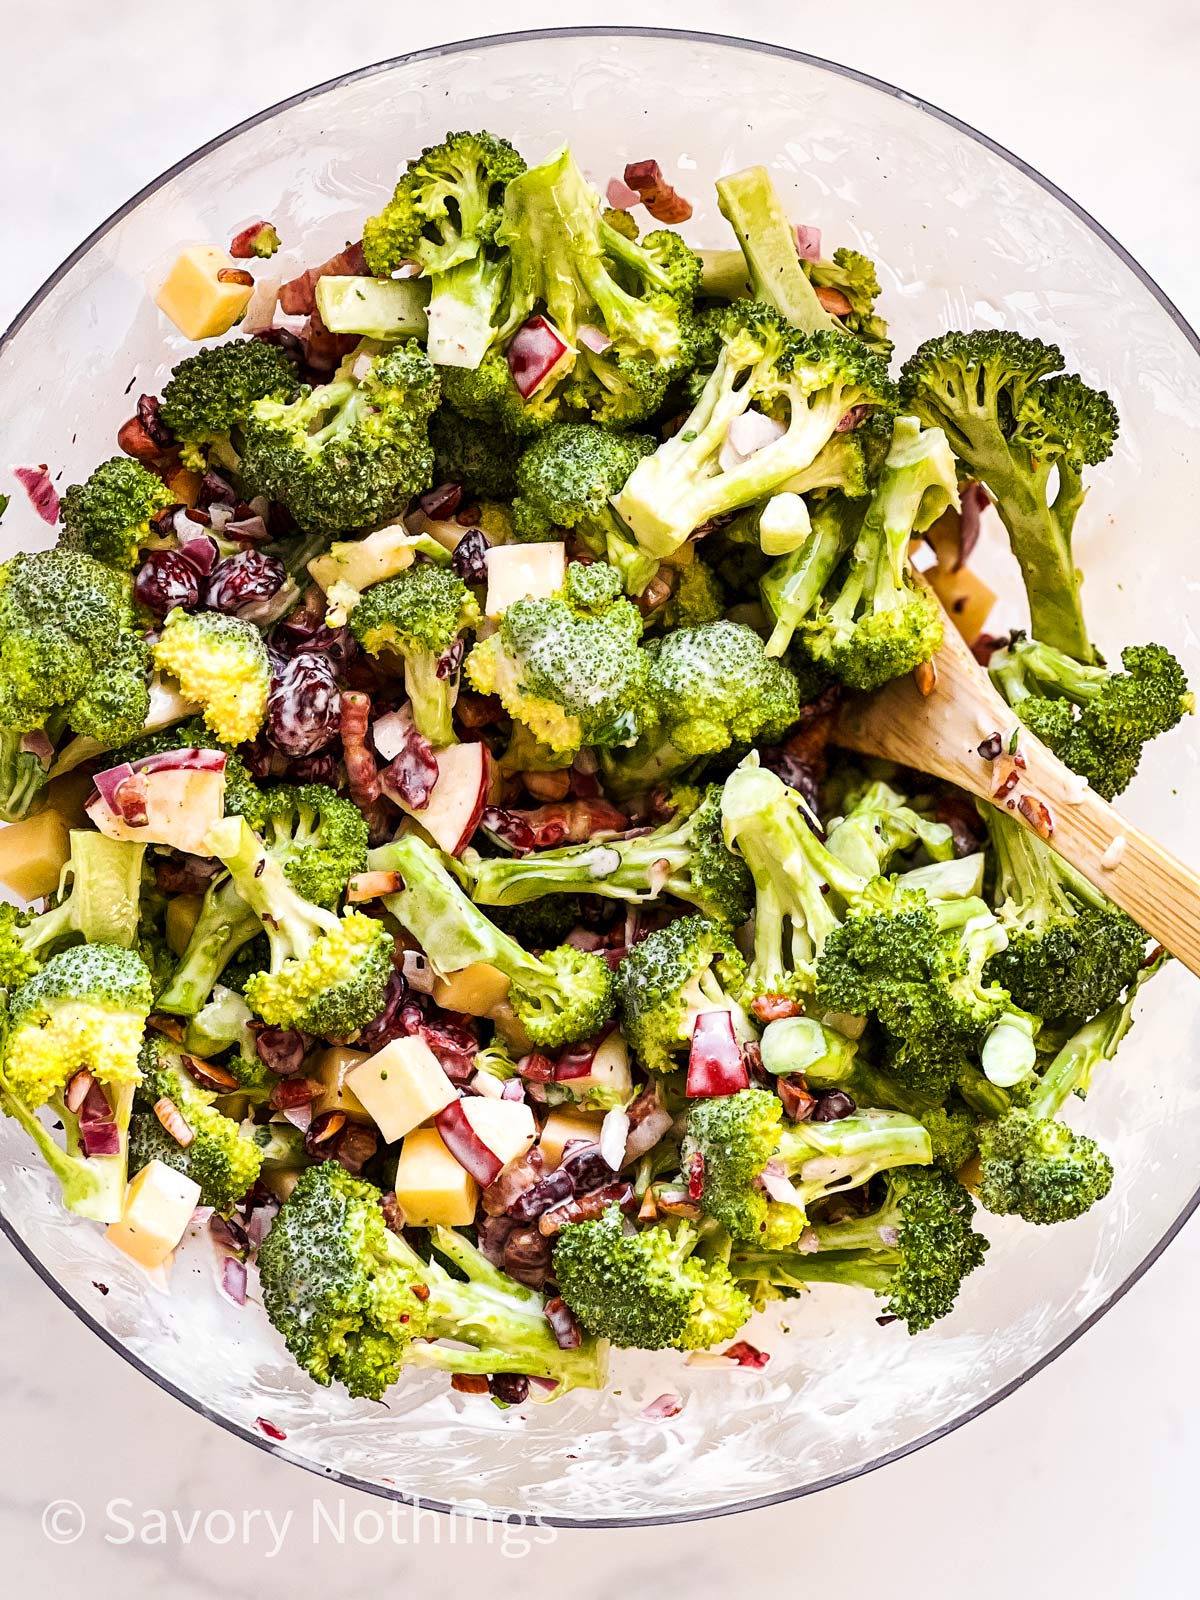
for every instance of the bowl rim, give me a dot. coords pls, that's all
(434, 53)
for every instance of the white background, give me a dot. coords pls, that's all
(1084, 1481)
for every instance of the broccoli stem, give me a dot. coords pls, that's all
(1071, 1070)
(463, 306)
(22, 777)
(103, 898)
(226, 924)
(749, 201)
(92, 1186)
(291, 923)
(432, 697)
(828, 1157)
(791, 586)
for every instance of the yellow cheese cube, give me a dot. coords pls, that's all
(523, 572)
(33, 854)
(476, 990)
(158, 1207)
(401, 1086)
(563, 1126)
(183, 912)
(196, 300)
(431, 1187)
(333, 1069)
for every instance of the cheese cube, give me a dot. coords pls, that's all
(401, 1086)
(431, 1187)
(523, 572)
(333, 1071)
(33, 854)
(563, 1126)
(506, 1127)
(183, 913)
(195, 299)
(475, 991)
(158, 1207)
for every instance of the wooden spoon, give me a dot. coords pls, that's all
(950, 720)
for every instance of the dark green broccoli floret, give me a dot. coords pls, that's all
(698, 597)
(109, 515)
(538, 924)
(487, 395)
(669, 978)
(481, 458)
(646, 1290)
(355, 1302)
(1017, 430)
(561, 996)
(731, 1139)
(216, 1156)
(1096, 720)
(353, 452)
(209, 396)
(319, 836)
(686, 858)
(914, 1250)
(420, 617)
(853, 275)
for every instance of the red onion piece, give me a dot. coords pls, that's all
(233, 1279)
(259, 1224)
(747, 1355)
(537, 348)
(808, 242)
(418, 973)
(190, 759)
(779, 1186)
(566, 1330)
(252, 530)
(199, 553)
(43, 496)
(299, 1117)
(100, 1139)
(593, 338)
(667, 1405)
(620, 196)
(974, 502)
(649, 1120)
(513, 1089)
(852, 418)
(269, 1428)
(746, 435)
(716, 1065)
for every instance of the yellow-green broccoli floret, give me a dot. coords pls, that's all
(420, 616)
(669, 978)
(109, 515)
(221, 663)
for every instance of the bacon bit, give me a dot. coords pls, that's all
(393, 1211)
(659, 198)
(991, 747)
(676, 1204)
(696, 1176)
(209, 1075)
(133, 439)
(773, 1007)
(1037, 814)
(925, 674)
(371, 885)
(43, 496)
(476, 711)
(558, 1314)
(833, 300)
(297, 297)
(235, 275)
(269, 1428)
(149, 414)
(469, 1383)
(362, 773)
(1006, 775)
(170, 1027)
(747, 1355)
(323, 350)
(666, 1406)
(169, 1114)
(421, 1291)
(77, 1090)
(798, 1104)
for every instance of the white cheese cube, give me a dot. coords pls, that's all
(506, 1127)
(563, 1126)
(431, 1187)
(401, 1086)
(158, 1207)
(523, 572)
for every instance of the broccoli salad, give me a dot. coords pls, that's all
(434, 871)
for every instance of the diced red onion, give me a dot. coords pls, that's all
(746, 435)
(974, 502)
(614, 1135)
(620, 196)
(233, 1279)
(646, 1130)
(779, 1186)
(513, 1089)
(100, 1138)
(299, 1116)
(537, 348)
(259, 1224)
(252, 530)
(852, 418)
(586, 939)
(593, 338)
(269, 1428)
(546, 1385)
(406, 269)
(716, 1065)
(43, 496)
(808, 242)
(747, 1355)
(566, 1330)
(667, 1405)
(189, 759)
(37, 743)
(200, 553)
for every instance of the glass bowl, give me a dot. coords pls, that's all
(964, 235)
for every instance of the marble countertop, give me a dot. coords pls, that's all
(107, 1482)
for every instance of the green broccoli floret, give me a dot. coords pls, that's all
(686, 857)
(85, 1009)
(697, 598)
(319, 836)
(646, 1290)
(669, 978)
(483, 459)
(566, 480)
(853, 274)
(98, 902)
(875, 622)
(328, 974)
(709, 688)
(561, 996)
(355, 1302)
(538, 924)
(487, 395)
(1017, 430)
(109, 515)
(731, 1139)
(953, 1131)
(569, 668)
(806, 382)
(216, 1156)
(1096, 720)
(209, 396)
(225, 927)
(221, 663)
(352, 452)
(420, 616)
(1070, 952)
(444, 214)
(914, 1250)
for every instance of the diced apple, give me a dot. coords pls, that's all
(195, 298)
(157, 1209)
(33, 854)
(401, 1086)
(183, 912)
(523, 572)
(334, 1067)
(376, 308)
(432, 1189)
(607, 1070)
(182, 804)
(476, 991)
(511, 1029)
(484, 1135)
(560, 1128)
(279, 1181)
(459, 796)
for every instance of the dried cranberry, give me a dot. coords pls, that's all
(511, 1387)
(449, 663)
(832, 1106)
(551, 1191)
(305, 630)
(166, 580)
(442, 502)
(470, 557)
(282, 1049)
(588, 1169)
(257, 756)
(150, 417)
(215, 491)
(243, 584)
(321, 768)
(304, 706)
(527, 1255)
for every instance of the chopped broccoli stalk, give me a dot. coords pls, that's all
(1019, 431)
(749, 201)
(670, 977)
(23, 776)
(328, 974)
(356, 1303)
(109, 515)
(209, 396)
(350, 453)
(350, 566)
(167, 707)
(647, 1290)
(225, 926)
(217, 1156)
(420, 616)
(1095, 719)
(914, 1250)
(221, 663)
(792, 585)
(731, 1139)
(561, 996)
